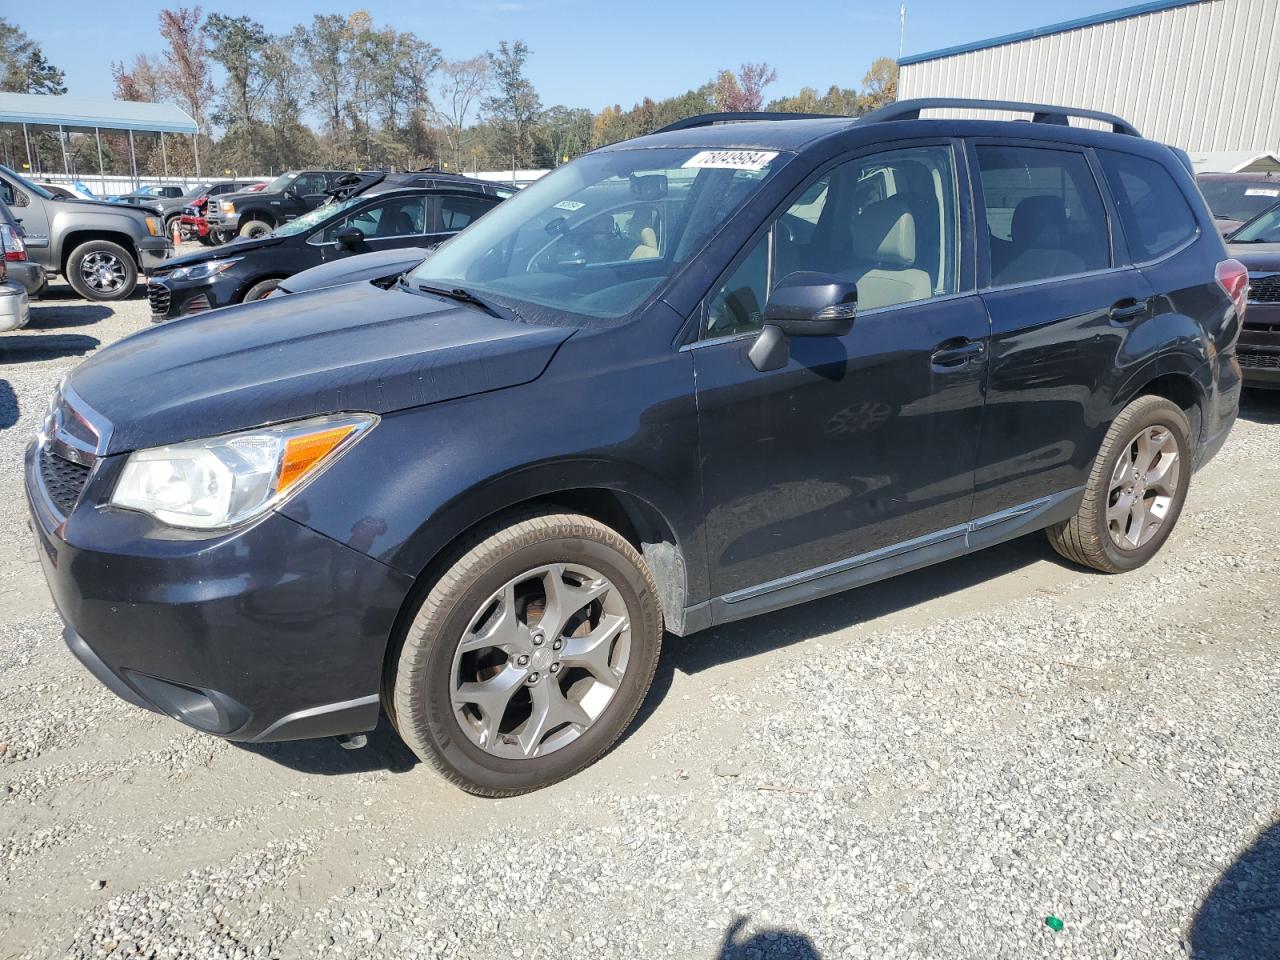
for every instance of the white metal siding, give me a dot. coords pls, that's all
(1201, 77)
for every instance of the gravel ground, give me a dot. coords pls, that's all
(928, 767)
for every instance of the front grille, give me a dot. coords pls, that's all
(1258, 360)
(1264, 289)
(159, 295)
(63, 480)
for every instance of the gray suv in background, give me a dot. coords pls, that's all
(99, 248)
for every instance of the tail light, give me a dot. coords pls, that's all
(15, 251)
(1233, 278)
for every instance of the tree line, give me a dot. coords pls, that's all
(376, 98)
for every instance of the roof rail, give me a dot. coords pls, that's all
(1041, 112)
(710, 119)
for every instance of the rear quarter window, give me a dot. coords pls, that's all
(1153, 210)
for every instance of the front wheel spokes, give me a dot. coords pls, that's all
(564, 599)
(501, 628)
(593, 652)
(491, 697)
(551, 710)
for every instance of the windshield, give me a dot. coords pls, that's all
(1264, 229)
(1239, 199)
(280, 182)
(27, 184)
(596, 237)
(313, 218)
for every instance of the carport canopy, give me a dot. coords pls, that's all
(34, 109)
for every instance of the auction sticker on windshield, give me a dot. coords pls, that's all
(731, 159)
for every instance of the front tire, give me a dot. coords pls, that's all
(102, 270)
(529, 656)
(1135, 491)
(260, 290)
(255, 228)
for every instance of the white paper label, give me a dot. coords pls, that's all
(1262, 192)
(731, 159)
(570, 205)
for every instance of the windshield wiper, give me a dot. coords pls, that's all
(462, 296)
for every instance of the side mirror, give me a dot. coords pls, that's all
(803, 304)
(349, 238)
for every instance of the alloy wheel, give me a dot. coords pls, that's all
(103, 272)
(1144, 485)
(540, 661)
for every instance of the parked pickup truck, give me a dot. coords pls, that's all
(289, 195)
(99, 248)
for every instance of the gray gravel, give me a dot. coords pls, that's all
(928, 767)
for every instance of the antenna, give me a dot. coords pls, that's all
(902, 26)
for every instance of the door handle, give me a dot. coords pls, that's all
(957, 352)
(1130, 308)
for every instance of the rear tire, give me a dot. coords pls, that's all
(103, 271)
(255, 228)
(498, 687)
(1135, 490)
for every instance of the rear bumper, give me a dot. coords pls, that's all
(1258, 348)
(30, 276)
(269, 632)
(15, 306)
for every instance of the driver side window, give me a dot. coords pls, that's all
(399, 217)
(309, 183)
(888, 222)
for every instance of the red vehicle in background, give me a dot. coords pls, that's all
(193, 224)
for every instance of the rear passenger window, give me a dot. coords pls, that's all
(1154, 213)
(458, 212)
(1044, 212)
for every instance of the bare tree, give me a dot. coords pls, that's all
(185, 71)
(460, 84)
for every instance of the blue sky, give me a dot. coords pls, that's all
(591, 54)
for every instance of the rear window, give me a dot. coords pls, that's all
(1239, 199)
(1153, 211)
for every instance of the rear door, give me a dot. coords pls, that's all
(1062, 300)
(454, 212)
(862, 446)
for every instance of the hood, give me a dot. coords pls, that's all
(223, 252)
(79, 204)
(1256, 256)
(351, 348)
(364, 267)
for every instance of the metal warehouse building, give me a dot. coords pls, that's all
(1203, 75)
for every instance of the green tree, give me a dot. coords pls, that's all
(514, 106)
(23, 67)
(880, 85)
(239, 46)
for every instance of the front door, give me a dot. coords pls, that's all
(862, 443)
(393, 221)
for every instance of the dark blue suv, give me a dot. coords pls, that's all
(685, 379)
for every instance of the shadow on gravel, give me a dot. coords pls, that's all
(772, 631)
(50, 316)
(48, 346)
(384, 751)
(1260, 406)
(1240, 918)
(766, 945)
(9, 410)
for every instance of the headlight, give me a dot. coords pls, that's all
(227, 207)
(203, 271)
(153, 227)
(223, 481)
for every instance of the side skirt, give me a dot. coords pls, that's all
(886, 562)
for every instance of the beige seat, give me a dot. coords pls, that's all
(884, 246)
(640, 230)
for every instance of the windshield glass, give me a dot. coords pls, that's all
(596, 237)
(1239, 199)
(313, 218)
(1265, 229)
(27, 184)
(280, 182)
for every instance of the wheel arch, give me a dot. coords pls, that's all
(1177, 378)
(257, 213)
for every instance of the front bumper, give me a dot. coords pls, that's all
(193, 227)
(269, 632)
(171, 299)
(1258, 348)
(153, 251)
